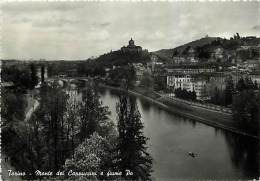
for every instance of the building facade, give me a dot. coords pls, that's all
(188, 83)
(131, 48)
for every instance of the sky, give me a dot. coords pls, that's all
(80, 30)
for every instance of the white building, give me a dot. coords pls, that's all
(199, 86)
(178, 81)
(188, 83)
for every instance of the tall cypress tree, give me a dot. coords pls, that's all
(132, 150)
(42, 73)
(229, 90)
(34, 78)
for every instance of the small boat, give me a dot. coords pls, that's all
(192, 154)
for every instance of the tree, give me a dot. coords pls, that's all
(92, 112)
(229, 91)
(89, 156)
(71, 123)
(193, 95)
(246, 107)
(50, 70)
(20, 76)
(52, 110)
(238, 36)
(34, 78)
(255, 85)
(215, 97)
(249, 83)
(42, 73)
(241, 85)
(132, 150)
(184, 94)
(126, 73)
(175, 53)
(147, 81)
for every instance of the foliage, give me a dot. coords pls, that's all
(89, 156)
(117, 58)
(20, 76)
(91, 113)
(246, 84)
(52, 110)
(203, 53)
(54, 130)
(132, 154)
(229, 91)
(126, 73)
(246, 107)
(184, 94)
(225, 98)
(147, 81)
(218, 97)
(90, 68)
(160, 83)
(34, 78)
(42, 73)
(13, 105)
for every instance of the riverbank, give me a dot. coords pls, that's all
(212, 118)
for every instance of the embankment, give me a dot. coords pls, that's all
(210, 117)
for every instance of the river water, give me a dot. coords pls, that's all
(221, 155)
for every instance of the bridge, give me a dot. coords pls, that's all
(70, 79)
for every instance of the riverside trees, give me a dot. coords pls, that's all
(105, 150)
(246, 106)
(52, 133)
(246, 110)
(132, 149)
(91, 113)
(67, 133)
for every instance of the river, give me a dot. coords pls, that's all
(221, 155)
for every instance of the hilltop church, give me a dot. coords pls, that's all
(131, 48)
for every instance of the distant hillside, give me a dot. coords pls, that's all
(119, 58)
(167, 53)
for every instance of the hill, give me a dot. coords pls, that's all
(168, 53)
(118, 58)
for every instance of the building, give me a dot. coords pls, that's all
(203, 84)
(154, 61)
(189, 83)
(199, 86)
(179, 59)
(176, 81)
(131, 48)
(191, 69)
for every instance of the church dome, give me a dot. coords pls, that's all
(131, 42)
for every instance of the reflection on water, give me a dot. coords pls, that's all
(221, 155)
(145, 104)
(244, 154)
